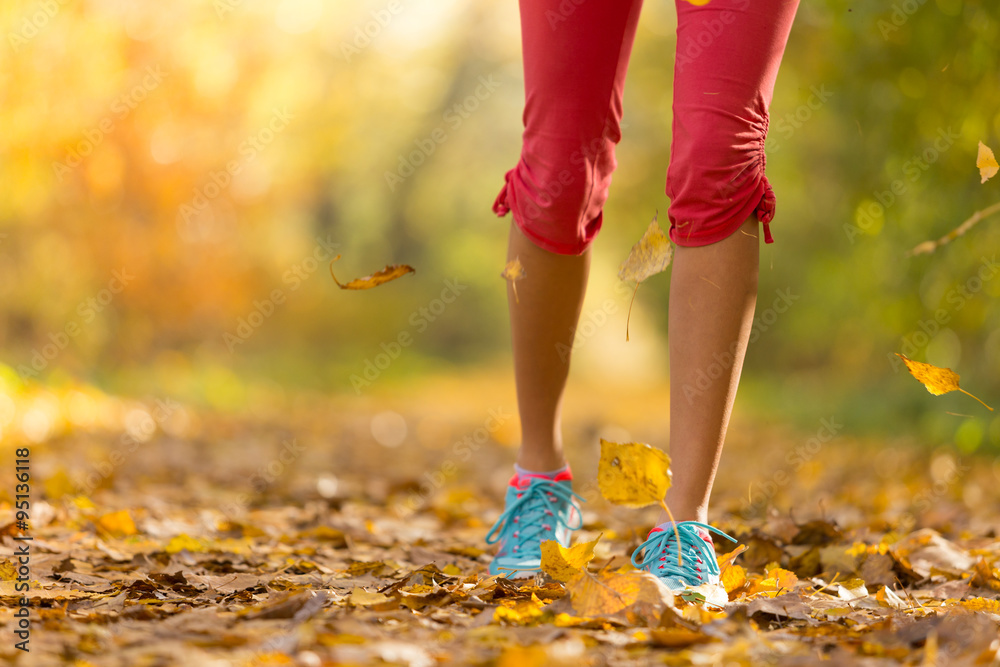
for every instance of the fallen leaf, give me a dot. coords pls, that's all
(390, 272)
(8, 570)
(726, 560)
(937, 380)
(359, 597)
(775, 582)
(982, 604)
(887, 598)
(608, 593)
(521, 612)
(184, 541)
(986, 162)
(789, 604)
(651, 255)
(513, 272)
(925, 550)
(523, 656)
(678, 637)
(633, 474)
(116, 524)
(564, 564)
(852, 589)
(733, 578)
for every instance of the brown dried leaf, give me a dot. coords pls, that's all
(390, 272)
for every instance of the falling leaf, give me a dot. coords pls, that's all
(633, 474)
(563, 564)
(937, 380)
(513, 272)
(651, 255)
(390, 272)
(987, 163)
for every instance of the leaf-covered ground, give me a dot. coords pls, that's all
(339, 530)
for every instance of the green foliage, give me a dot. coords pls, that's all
(317, 117)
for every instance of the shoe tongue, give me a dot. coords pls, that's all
(668, 527)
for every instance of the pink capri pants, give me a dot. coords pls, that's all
(575, 58)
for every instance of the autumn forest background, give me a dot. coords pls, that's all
(177, 177)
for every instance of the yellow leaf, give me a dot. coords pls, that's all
(83, 502)
(390, 272)
(521, 613)
(937, 380)
(986, 162)
(784, 579)
(607, 593)
(184, 541)
(523, 656)
(726, 560)
(633, 474)
(116, 524)
(8, 570)
(699, 3)
(359, 597)
(678, 637)
(982, 604)
(563, 564)
(733, 578)
(513, 272)
(651, 255)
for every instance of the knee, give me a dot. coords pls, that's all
(715, 180)
(557, 197)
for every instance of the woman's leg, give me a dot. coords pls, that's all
(728, 54)
(575, 60)
(713, 290)
(543, 318)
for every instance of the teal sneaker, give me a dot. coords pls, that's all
(536, 509)
(698, 563)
